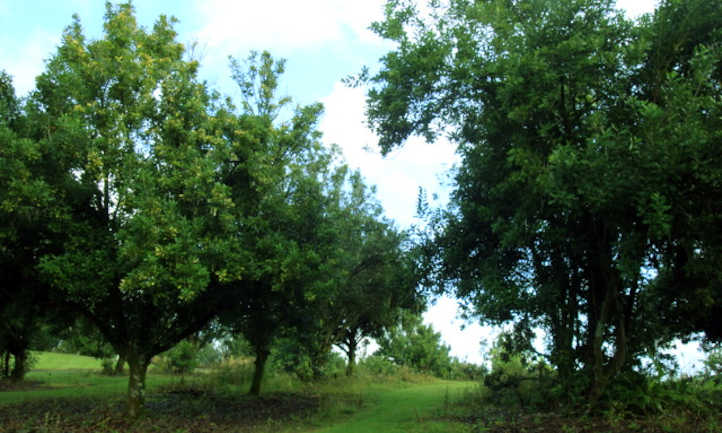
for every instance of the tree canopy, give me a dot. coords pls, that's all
(140, 200)
(587, 199)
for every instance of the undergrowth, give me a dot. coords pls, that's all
(648, 405)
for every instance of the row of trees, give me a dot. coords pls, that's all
(587, 202)
(135, 196)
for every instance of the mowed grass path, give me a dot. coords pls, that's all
(405, 410)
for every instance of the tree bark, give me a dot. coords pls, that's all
(21, 359)
(119, 365)
(260, 365)
(351, 360)
(136, 384)
(6, 364)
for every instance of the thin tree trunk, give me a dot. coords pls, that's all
(119, 365)
(260, 365)
(351, 353)
(6, 365)
(136, 384)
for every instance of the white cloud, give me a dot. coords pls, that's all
(398, 175)
(282, 24)
(466, 344)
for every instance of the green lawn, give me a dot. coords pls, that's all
(70, 388)
(64, 361)
(60, 375)
(405, 410)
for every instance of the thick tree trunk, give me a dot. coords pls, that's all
(260, 364)
(21, 359)
(136, 384)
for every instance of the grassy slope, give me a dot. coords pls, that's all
(403, 410)
(64, 361)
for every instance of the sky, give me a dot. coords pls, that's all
(323, 41)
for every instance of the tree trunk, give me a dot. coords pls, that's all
(6, 364)
(136, 384)
(599, 378)
(260, 364)
(351, 353)
(119, 365)
(21, 359)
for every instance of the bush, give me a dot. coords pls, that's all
(108, 366)
(713, 365)
(182, 358)
(209, 356)
(378, 366)
(466, 371)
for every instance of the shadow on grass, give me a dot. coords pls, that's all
(178, 408)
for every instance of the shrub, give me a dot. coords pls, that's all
(108, 366)
(378, 366)
(209, 356)
(182, 358)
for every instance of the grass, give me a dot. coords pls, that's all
(62, 375)
(410, 409)
(66, 393)
(63, 361)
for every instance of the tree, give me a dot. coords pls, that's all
(378, 279)
(142, 149)
(583, 137)
(25, 234)
(415, 345)
(367, 279)
(284, 210)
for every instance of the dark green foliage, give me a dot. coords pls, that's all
(132, 143)
(588, 198)
(518, 377)
(294, 358)
(27, 305)
(182, 359)
(284, 210)
(83, 338)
